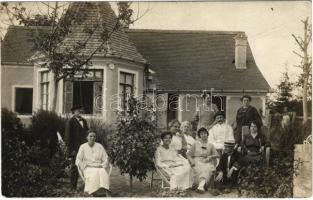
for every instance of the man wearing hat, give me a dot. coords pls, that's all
(205, 112)
(220, 132)
(229, 166)
(75, 135)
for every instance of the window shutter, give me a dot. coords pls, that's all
(98, 104)
(68, 96)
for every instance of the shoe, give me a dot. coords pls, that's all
(200, 191)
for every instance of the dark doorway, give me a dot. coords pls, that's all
(172, 107)
(220, 101)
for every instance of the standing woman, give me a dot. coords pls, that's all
(186, 128)
(245, 115)
(179, 142)
(202, 156)
(172, 164)
(93, 166)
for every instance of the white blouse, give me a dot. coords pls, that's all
(94, 156)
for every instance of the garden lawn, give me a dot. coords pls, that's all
(120, 188)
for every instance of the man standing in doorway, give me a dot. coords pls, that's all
(206, 112)
(75, 135)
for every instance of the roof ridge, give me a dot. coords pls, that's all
(27, 27)
(183, 31)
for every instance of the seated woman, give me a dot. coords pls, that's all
(92, 162)
(202, 157)
(173, 165)
(254, 144)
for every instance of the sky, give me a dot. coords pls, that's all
(269, 26)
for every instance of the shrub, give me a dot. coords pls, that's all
(276, 181)
(44, 128)
(20, 176)
(10, 123)
(134, 144)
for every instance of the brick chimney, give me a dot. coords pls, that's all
(241, 51)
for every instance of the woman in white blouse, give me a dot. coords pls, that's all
(93, 166)
(173, 165)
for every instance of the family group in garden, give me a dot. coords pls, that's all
(213, 159)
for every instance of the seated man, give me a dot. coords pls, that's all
(229, 166)
(220, 132)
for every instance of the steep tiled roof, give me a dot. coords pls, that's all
(101, 14)
(194, 60)
(16, 46)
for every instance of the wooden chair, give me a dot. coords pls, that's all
(81, 173)
(308, 140)
(163, 177)
(265, 131)
(154, 178)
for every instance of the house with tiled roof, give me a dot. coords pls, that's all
(181, 65)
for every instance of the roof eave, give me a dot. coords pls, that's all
(215, 90)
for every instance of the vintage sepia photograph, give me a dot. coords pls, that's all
(208, 99)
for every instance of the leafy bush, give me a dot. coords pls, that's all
(10, 123)
(20, 176)
(134, 144)
(276, 181)
(44, 128)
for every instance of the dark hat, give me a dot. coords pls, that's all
(229, 143)
(219, 113)
(205, 94)
(76, 107)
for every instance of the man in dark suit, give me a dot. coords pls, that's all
(229, 166)
(75, 135)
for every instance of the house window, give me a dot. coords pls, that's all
(85, 91)
(44, 90)
(23, 101)
(126, 87)
(83, 95)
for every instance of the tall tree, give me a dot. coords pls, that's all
(305, 65)
(284, 94)
(50, 30)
